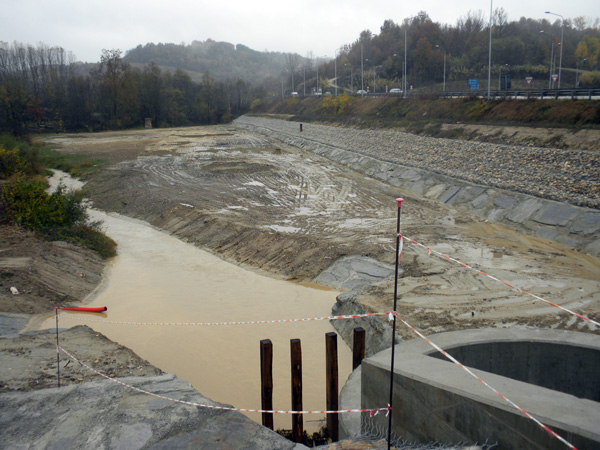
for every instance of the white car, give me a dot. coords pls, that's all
(395, 91)
(361, 92)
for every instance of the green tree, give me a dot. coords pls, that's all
(588, 49)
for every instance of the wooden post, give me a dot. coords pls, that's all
(331, 367)
(296, 359)
(266, 377)
(358, 351)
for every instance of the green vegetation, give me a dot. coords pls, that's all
(24, 201)
(79, 166)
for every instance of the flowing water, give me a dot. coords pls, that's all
(158, 278)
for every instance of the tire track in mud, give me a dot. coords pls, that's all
(293, 213)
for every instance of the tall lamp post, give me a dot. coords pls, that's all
(304, 82)
(562, 27)
(362, 80)
(444, 88)
(490, 51)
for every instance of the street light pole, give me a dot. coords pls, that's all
(490, 52)
(405, 51)
(335, 72)
(562, 27)
(362, 80)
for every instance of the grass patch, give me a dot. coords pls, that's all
(75, 164)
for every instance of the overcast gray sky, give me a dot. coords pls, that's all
(85, 27)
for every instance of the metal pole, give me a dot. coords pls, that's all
(398, 241)
(335, 72)
(490, 52)
(57, 346)
(551, 64)
(304, 84)
(362, 80)
(562, 28)
(405, 51)
(444, 79)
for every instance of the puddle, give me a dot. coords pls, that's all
(157, 278)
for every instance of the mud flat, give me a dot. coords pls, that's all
(265, 204)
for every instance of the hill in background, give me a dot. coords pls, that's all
(222, 60)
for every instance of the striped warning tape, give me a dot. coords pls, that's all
(510, 402)
(518, 289)
(372, 411)
(254, 322)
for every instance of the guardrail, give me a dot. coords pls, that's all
(581, 94)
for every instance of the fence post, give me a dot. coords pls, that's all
(359, 347)
(331, 367)
(296, 360)
(266, 377)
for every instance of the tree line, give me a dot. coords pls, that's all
(43, 86)
(433, 52)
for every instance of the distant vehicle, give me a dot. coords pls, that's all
(395, 91)
(361, 92)
(294, 94)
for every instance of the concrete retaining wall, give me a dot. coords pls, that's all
(571, 225)
(435, 400)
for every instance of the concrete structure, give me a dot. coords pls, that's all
(436, 400)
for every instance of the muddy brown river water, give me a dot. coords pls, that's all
(158, 278)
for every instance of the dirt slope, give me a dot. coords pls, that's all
(258, 203)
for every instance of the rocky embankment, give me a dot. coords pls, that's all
(553, 193)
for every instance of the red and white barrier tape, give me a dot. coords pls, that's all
(255, 322)
(372, 411)
(430, 251)
(455, 361)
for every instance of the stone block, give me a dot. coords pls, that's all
(556, 214)
(524, 210)
(503, 201)
(588, 223)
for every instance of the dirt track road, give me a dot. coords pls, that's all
(292, 213)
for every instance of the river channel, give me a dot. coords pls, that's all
(158, 278)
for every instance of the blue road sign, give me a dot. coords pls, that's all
(474, 84)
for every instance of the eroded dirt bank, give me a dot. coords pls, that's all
(259, 203)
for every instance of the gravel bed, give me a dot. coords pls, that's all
(571, 176)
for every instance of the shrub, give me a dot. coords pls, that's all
(58, 216)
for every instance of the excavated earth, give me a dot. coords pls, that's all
(278, 209)
(272, 207)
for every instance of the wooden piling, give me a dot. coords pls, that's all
(296, 360)
(331, 367)
(266, 376)
(359, 347)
